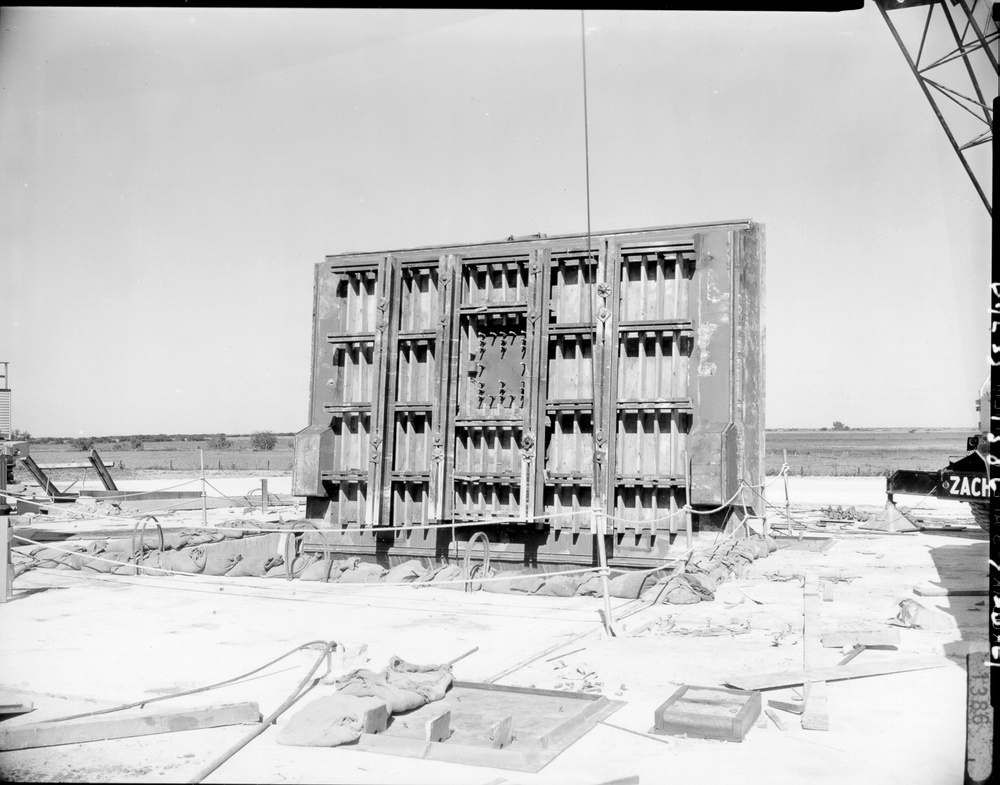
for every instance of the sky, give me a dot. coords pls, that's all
(170, 177)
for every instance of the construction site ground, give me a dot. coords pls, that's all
(75, 642)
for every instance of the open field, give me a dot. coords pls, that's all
(863, 453)
(170, 456)
(854, 453)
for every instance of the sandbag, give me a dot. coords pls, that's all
(362, 573)
(255, 567)
(402, 685)
(512, 578)
(630, 585)
(299, 564)
(328, 722)
(189, 560)
(220, 565)
(559, 586)
(446, 572)
(317, 571)
(46, 557)
(683, 589)
(589, 586)
(406, 572)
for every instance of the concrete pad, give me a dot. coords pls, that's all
(75, 642)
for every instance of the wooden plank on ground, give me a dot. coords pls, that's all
(789, 706)
(790, 678)
(51, 734)
(930, 590)
(438, 728)
(868, 638)
(814, 715)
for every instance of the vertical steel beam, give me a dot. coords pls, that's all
(442, 450)
(383, 386)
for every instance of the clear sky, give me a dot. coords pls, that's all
(169, 178)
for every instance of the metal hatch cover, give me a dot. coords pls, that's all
(545, 722)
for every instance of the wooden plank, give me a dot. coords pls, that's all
(852, 654)
(16, 708)
(929, 590)
(815, 715)
(870, 638)
(52, 734)
(438, 728)
(789, 706)
(500, 733)
(790, 678)
(775, 719)
(72, 465)
(376, 719)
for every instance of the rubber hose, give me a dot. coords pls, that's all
(300, 690)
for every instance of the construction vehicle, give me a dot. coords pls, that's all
(951, 49)
(965, 479)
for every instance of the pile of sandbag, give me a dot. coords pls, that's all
(339, 718)
(704, 571)
(694, 581)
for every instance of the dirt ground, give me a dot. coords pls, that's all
(77, 642)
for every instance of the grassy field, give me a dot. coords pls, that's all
(172, 456)
(865, 453)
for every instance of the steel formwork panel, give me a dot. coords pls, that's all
(517, 380)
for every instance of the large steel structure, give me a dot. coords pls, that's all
(520, 385)
(951, 48)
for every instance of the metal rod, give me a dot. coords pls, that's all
(970, 15)
(299, 691)
(473, 650)
(937, 111)
(598, 525)
(204, 496)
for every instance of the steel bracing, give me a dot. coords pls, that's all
(951, 48)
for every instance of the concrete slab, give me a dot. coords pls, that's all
(75, 641)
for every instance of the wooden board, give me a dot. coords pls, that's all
(542, 724)
(814, 714)
(708, 713)
(930, 590)
(790, 678)
(51, 734)
(867, 638)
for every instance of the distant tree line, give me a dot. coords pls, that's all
(139, 437)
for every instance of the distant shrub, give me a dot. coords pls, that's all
(839, 426)
(824, 428)
(219, 442)
(263, 440)
(130, 443)
(83, 444)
